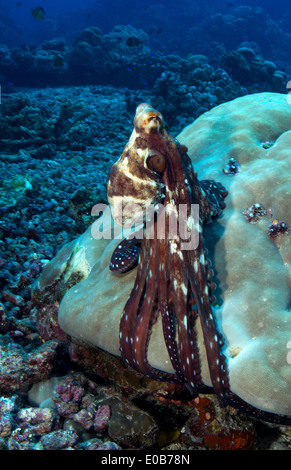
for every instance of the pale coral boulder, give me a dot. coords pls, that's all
(254, 274)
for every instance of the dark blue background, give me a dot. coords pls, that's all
(67, 18)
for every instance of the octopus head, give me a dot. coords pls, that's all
(147, 120)
(135, 180)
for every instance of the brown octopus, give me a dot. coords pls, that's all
(173, 277)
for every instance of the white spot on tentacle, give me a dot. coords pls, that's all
(184, 289)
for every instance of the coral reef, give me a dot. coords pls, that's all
(251, 70)
(191, 88)
(20, 369)
(184, 86)
(87, 54)
(65, 422)
(41, 199)
(80, 415)
(57, 146)
(63, 122)
(124, 57)
(93, 58)
(221, 30)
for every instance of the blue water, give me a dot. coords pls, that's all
(67, 18)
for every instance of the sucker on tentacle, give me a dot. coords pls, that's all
(173, 278)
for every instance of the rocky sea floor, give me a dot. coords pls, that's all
(56, 149)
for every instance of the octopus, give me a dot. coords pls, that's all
(174, 275)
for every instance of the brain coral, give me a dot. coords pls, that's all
(252, 270)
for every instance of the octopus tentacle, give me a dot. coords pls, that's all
(147, 316)
(125, 256)
(239, 404)
(169, 331)
(213, 345)
(189, 364)
(129, 316)
(189, 267)
(167, 314)
(140, 313)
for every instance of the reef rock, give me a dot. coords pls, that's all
(251, 70)
(252, 270)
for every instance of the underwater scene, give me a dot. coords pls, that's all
(145, 219)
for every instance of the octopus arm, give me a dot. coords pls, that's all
(211, 198)
(209, 194)
(175, 311)
(125, 256)
(140, 314)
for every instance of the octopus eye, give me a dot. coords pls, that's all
(156, 163)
